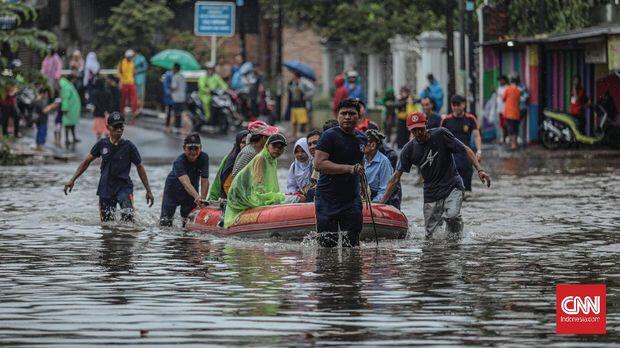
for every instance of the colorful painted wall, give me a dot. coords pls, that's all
(524, 63)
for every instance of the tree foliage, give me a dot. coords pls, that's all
(560, 15)
(365, 24)
(134, 24)
(38, 40)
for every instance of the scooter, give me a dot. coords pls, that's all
(223, 113)
(561, 130)
(25, 98)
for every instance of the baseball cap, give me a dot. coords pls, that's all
(416, 120)
(115, 119)
(192, 139)
(262, 128)
(277, 138)
(129, 53)
(457, 99)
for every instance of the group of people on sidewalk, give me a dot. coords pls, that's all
(64, 98)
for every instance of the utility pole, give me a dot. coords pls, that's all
(279, 87)
(240, 4)
(450, 49)
(462, 65)
(470, 7)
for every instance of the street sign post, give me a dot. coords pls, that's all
(214, 19)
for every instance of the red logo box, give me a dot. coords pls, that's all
(580, 309)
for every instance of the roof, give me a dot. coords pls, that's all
(606, 29)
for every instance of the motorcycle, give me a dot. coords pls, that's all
(25, 98)
(224, 112)
(559, 129)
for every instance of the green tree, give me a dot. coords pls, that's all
(559, 15)
(135, 24)
(364, 24)
(38, 40)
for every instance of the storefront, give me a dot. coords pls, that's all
(547, 67)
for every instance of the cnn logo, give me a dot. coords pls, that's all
(575, 305)
(581, 309)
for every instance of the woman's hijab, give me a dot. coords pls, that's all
(91, 68)
(299, 172)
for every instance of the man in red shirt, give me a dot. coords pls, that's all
(512, 98)
(340, 94)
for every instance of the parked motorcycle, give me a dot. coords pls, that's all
(562, 130)
(224, 114)
(25, 99)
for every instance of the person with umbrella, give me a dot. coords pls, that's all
(126, 70)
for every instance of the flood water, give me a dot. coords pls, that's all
(66, 280)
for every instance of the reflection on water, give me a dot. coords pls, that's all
(68, 280)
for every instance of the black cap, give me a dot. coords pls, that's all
(193, 139)
(277, 138)
(115, 119)
(457, 99)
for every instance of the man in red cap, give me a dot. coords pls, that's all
(431, 150)
(259, 132)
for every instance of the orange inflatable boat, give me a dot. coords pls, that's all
(293, 221)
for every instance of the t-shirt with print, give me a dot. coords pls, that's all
(342, 148)
(194, 170)
(116, 163)
(434, 158)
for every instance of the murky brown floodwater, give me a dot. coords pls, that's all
(65, 280)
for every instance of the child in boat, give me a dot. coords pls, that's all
(299, 173)
(256, 185)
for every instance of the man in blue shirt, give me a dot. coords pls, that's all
(432, 150)
(354, 88)
(377, 167)
(339, 156)
(181, 187)
(115, 186)
(433, 91)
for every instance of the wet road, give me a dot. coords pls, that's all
(546, 220)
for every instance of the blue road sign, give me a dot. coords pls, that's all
(214, 18)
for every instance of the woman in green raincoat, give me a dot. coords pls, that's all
(71, 108)
(256, 185)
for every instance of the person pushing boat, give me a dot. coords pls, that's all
(181, 189)
(431, 150)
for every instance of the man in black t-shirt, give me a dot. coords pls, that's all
(463, 126)
(181, 187)
(115, 186)
(432, 152)
(339, 158)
